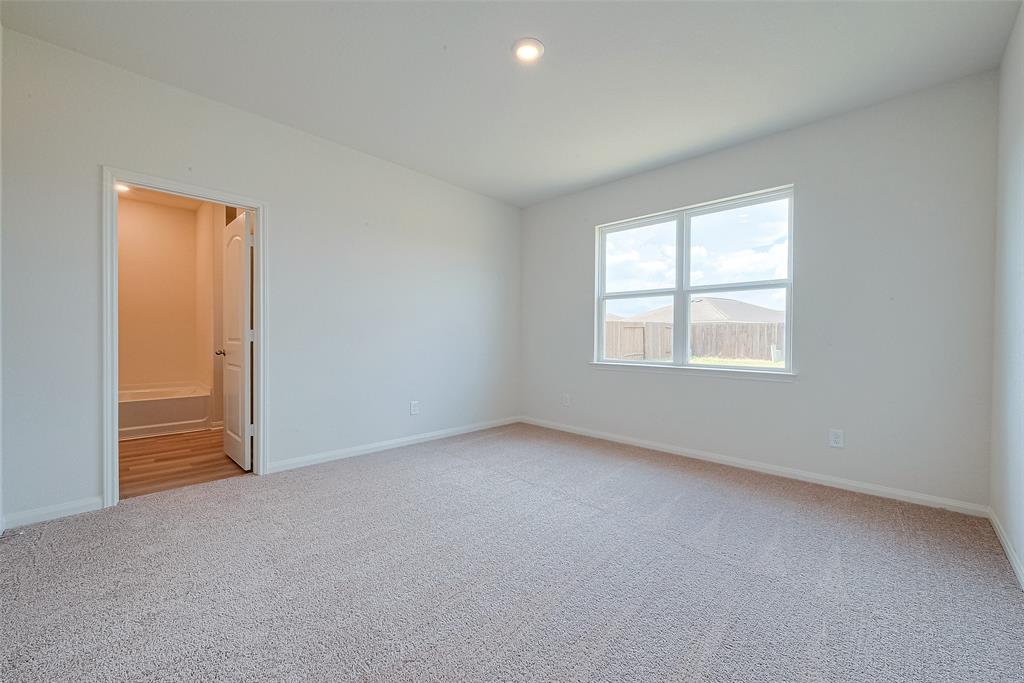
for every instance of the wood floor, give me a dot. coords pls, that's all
(159, 463)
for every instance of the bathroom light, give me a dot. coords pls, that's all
(121, 187)
(528, 50)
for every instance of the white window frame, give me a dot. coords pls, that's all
(682, 290)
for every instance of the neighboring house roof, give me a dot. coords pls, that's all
(658, 315)
(714, 309)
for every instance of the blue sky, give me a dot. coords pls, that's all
(735, 245)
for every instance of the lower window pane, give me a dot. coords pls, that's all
(739, 329)
(638, 329)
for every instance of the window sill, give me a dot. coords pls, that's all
(729, 373)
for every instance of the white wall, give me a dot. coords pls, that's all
(384, 285)
(1008, 403)
(894, 223)
(2, 524)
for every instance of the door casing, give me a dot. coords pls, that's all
(109, 388)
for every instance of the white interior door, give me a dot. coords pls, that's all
(235, 344)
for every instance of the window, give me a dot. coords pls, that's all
(709, 286)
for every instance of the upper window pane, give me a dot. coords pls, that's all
(640, 258)
(744, 244)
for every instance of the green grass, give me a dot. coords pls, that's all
(738, 362)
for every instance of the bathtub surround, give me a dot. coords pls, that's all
(164, 409)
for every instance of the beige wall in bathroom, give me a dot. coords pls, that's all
(203, 344)
(156, 294)
(169, 295)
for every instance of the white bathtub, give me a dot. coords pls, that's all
(149, 411)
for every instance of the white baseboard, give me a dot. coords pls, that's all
(965, 507)
(352, 451)
(1011, 553)
(48, 512)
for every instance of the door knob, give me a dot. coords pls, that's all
(219, 352)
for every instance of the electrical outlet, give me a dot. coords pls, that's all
(566, 400)
(836, 438)
(414, 407)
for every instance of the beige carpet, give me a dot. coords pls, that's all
(513, 554)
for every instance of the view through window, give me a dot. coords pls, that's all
(708, 286)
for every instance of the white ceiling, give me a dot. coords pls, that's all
(623, 87)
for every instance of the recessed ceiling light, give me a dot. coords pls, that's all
(528, 50)
(121, 187)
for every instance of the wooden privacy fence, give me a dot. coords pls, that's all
(629, 340)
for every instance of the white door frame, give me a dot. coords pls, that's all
(109, 391)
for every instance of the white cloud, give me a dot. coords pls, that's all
(770, 232)
(630, 256)
(654, 266)
(754, 265)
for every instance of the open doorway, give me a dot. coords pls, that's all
(181, 339)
